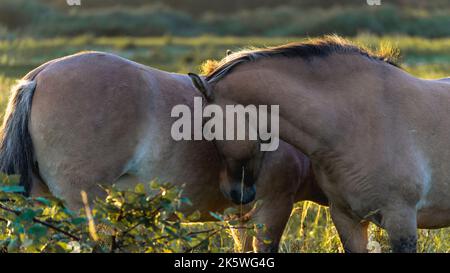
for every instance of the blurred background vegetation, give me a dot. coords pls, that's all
(49, 18)
(178, 35)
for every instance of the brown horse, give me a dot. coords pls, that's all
(97, 118)
(378, 138)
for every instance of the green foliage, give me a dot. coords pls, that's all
(231, 6)
(152, 21)
(145, 219)
(16, 14)
(47, 18)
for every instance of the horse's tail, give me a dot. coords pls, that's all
(16, 148)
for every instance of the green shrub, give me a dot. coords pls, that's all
(17, 14)
(150, 21)
(268, 18)
(139, 220)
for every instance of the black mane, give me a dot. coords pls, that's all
(322, 47)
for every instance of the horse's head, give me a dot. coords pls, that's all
(240, 173)
(241, 158)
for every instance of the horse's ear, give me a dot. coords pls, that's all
(201, 85)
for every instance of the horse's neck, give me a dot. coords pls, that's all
(321, 102)
(325, 114)
(319, 107)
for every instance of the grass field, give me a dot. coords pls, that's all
(310, 228)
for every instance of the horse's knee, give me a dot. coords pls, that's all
(352, 231)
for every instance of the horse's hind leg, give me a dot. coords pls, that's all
(352, 231)
(68, 185)
(72, 188)
(39, 188)
(401, 226)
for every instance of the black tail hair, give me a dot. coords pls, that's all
(16, 148)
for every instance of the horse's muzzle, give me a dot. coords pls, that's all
(243, 196)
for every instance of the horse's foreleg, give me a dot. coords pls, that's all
(274, 216)
(352, 231)
(401, 226)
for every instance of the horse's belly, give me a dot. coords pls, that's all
(432, 218)
(433, 210)
(193, 165)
